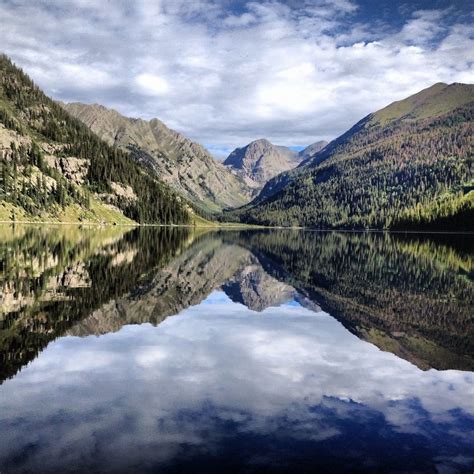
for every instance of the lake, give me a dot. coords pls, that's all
(185, 350)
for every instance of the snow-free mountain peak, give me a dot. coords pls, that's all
(260, 160)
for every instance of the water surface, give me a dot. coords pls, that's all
(174, 350)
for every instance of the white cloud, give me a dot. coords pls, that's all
(294, 72)
(423, 27)
(151, 84)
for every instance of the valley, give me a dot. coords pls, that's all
(236, 236)
(406, 166)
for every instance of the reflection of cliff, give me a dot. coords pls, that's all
(51, 278)
(187, 280)
(256, 289)
(183, 282)
(37, 263)
(409, 296)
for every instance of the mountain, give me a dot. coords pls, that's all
(311, 150)
(52, 167)
(186, 166)
(408, 165)
(260, 161)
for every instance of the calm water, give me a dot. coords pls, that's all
(170, 350)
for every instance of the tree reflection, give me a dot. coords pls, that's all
(410, 295)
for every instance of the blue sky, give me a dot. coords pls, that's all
(227, 72)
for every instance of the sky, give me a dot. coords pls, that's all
(227, 72)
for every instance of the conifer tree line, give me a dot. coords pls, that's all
(26, 110)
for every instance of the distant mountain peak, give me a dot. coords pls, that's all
(260, 160)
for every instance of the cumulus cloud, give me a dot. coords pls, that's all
(225, 73)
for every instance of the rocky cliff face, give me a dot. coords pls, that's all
(186, 166)
(256, 289)
(54, 168)
(180, 284)
(260, 161)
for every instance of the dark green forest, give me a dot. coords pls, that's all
(26, 110)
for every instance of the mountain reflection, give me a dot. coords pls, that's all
(412, 296)
(177, 350)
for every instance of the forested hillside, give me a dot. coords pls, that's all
(52, 167)
(409, 165)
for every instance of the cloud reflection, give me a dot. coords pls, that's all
(156, 396)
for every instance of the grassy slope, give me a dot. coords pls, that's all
(99, 213)
(436, 100)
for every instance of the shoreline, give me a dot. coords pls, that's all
(218, 226)
(109, 224)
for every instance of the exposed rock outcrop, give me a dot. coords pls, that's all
(260, 161)
(185, 165)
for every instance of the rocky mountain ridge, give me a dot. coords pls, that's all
(183, 164)
(187, 166)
